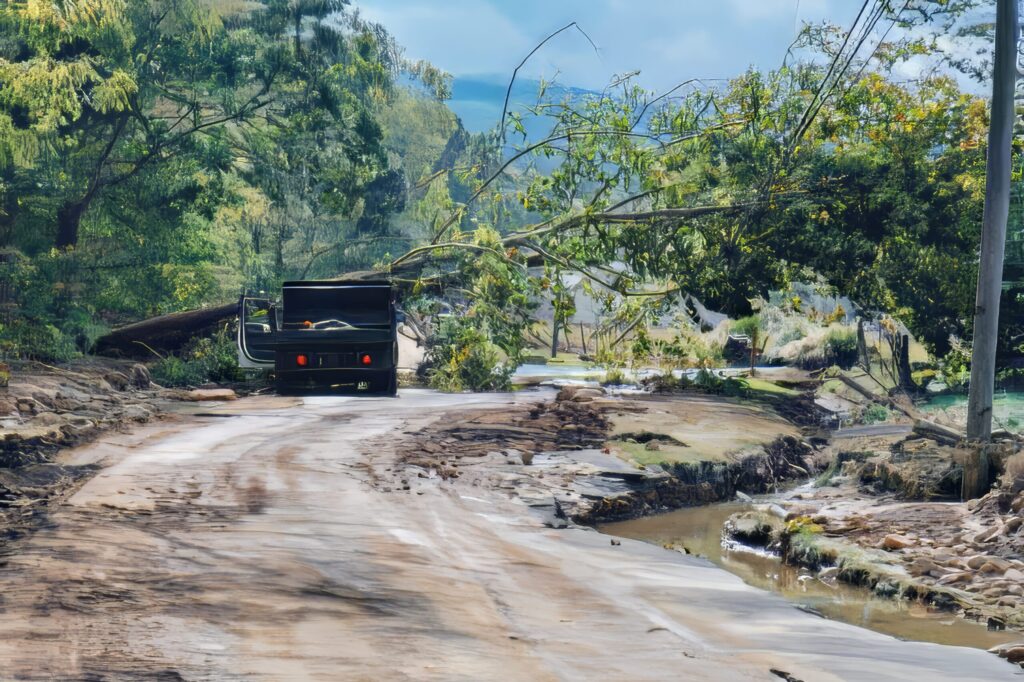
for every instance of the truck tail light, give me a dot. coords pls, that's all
(302, 360)
(365, 359)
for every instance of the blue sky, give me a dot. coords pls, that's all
(667, 41)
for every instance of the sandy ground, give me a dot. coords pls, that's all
(250, 544)
(710, 428)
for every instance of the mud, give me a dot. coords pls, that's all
(264, 544)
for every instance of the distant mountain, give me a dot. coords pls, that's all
(477, 100)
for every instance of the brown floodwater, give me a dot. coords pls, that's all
(699, 529)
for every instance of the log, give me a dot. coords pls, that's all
(938, 432)
(163, 334)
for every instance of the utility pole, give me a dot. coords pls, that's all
(993, 244)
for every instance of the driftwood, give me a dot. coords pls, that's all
(882, 400)
(937, 432)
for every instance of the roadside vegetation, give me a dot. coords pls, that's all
(160, 155)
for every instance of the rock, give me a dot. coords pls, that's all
(1014, 655)
(961, 577)
(585, 395)
(754, 528)
(140, 377)
(119, 381)
(28, 406)
(987, 534)
(1014, 574)
(527, 458)
(652, 445)
(1012, 525)
(895, 541)
(995, 565)
(201, 394)
(569, 393)
(47, 419)
(743, 497)
(136, 413)
(977, 561)
(923, 566)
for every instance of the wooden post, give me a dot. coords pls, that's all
(554, 334)
(862, 347)
(993, 245)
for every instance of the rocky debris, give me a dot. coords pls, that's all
(913, 470)
(47, 408)
(967, 557)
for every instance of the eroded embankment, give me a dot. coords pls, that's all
(556, 455)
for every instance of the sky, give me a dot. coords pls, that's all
(668, 41)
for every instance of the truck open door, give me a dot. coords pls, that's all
(257, 329)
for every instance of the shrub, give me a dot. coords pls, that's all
(841, 347)
(614, 377)
(32, 340)
(206, 359)
(462, 357)
(875, 414)
(956, 367)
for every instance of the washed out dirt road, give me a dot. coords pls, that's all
(260, 543)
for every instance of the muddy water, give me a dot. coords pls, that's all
(699, 529)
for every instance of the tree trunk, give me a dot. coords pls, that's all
(862, 348)
(69, 219)
(554, 336)
(165, 333)
(906, 379)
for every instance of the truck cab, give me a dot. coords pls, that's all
(323, 337)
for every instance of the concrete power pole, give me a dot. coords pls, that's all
(993, 241)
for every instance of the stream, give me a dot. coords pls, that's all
(699, 529)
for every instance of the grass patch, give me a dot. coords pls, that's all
(755, 385)
(668, 453)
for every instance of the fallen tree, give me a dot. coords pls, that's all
(169, 333)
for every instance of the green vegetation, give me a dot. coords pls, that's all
(159, 155)
(210, 359)
(875, 414)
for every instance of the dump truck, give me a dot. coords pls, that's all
(323, 337)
